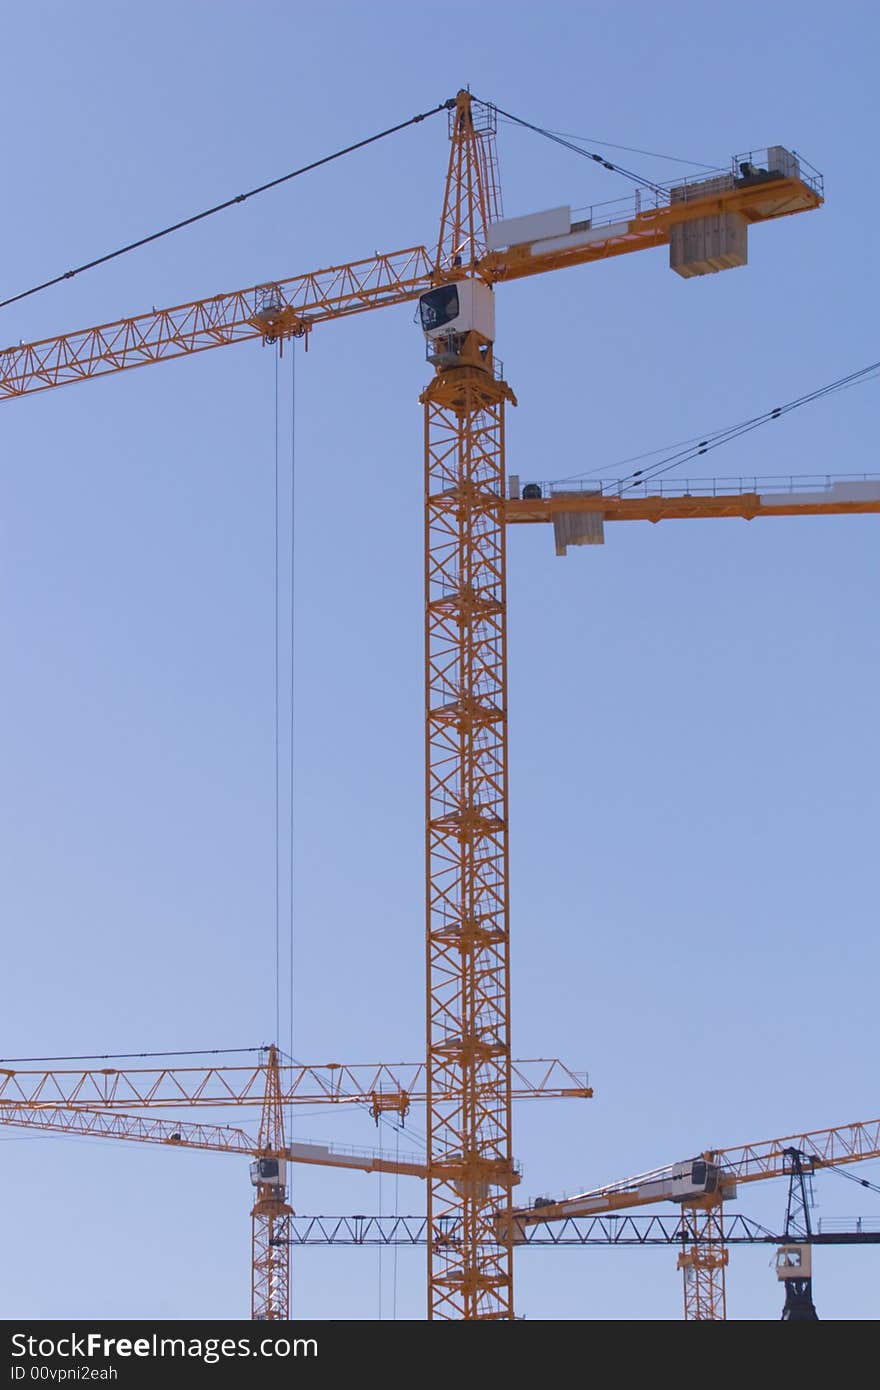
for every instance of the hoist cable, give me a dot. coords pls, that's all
(228, 203)
(585, 154)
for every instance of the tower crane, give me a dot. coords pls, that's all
(705, 223)
(794, 1260)
(97, 1103)
(701, 1186)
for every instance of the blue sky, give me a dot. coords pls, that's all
(694, 750)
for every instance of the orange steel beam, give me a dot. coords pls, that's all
(469, 1081)
(270, 1248)
(379, 1087)
(747, 505)
(853, 1143)
(638, 230)
(105, 1124)
(177, 1134)
(703, 1261)
(276, 310)
(704, 1256)
(270, 1254)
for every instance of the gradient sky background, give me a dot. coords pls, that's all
(694, 754)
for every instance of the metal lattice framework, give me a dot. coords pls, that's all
(702, 1229)
(472, 200)
(468, 968)
(277, 310)
(468, 986)
(820, 1148)
(289, 307)
(703, 1261)
(270, 1263)
(88, 1102)
(575, 1231)
(380, 1086)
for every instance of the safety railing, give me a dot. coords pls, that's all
(761, 165)
(355, 1151)
(860, 1225)
(753, 166)
(696, 487)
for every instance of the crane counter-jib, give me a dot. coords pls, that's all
(543, 502)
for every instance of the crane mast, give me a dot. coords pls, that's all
(794, 1260)
(468, 985)
(703, 1262)
(270, 1256)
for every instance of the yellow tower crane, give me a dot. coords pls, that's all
(705, 224)
(98, 1103)
(701, 1186)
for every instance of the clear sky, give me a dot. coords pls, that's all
(694, 753)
